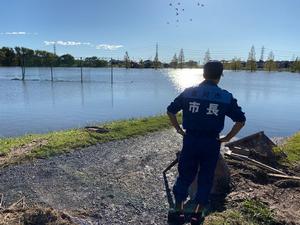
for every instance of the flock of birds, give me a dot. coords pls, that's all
(178, 7)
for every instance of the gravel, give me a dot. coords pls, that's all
(101, 179)
(121, 183)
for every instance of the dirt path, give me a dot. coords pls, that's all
(121, 182)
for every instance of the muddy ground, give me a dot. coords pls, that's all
(121, 183)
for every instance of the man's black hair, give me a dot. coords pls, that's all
(213, 70)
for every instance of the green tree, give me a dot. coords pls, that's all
(270, 64)
(9, 57)
(2, 57)
(181, 58)
(148, 63)
(295, 67)
(127, 60)
(174, 62)
(44, 58)
(235, 64)
(262, 54)
(66, 60)
(94, 61)
(24, 56)
(102, 63)
(251, 62)
(141, 63)
(206, 57)
(192, 64)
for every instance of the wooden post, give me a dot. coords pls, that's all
(23, 67)
(111, 71)
(51, 69)
(81, 75)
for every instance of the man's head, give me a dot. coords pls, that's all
(213, 70)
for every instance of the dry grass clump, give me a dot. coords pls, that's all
(20, 214)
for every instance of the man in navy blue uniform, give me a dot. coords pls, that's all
(204, 109)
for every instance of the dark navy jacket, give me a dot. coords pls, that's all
(205, 107)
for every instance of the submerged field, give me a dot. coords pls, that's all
(38, 105)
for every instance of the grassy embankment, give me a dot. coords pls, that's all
(63, 141)
(292, 149)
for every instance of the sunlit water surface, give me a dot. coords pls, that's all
(270, 100)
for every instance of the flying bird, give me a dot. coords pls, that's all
(179, 10)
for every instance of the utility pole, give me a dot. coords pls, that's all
(156, 58)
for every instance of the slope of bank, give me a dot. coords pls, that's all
(33, 146)
(121, 182)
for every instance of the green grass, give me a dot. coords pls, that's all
(251, 212)
(228, 217)
(64, 141)
(257, 212)
(292, 150)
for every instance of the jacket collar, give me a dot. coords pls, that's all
(208, 82)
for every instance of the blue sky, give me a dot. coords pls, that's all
(108, 28)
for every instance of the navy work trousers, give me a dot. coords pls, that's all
(197, 151)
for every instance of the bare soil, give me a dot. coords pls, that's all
(121, 183)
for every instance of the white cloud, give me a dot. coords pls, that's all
(109, 47)
(78, 43)
(66, 43)
(49, 42)
(18, 33)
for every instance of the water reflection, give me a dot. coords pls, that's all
(184, 78)
(112, 94)
(25, 93)
(82, 94)
(52, 93)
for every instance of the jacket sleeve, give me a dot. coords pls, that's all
(176, 105)
(235, 111)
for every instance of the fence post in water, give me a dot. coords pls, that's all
(81, 76)
(51, 69)
(23, 66)
(111, 71)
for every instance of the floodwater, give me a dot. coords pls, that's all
(37, 105)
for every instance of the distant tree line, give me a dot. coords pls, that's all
(25, 57)
(270, 64)
(20, 56)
